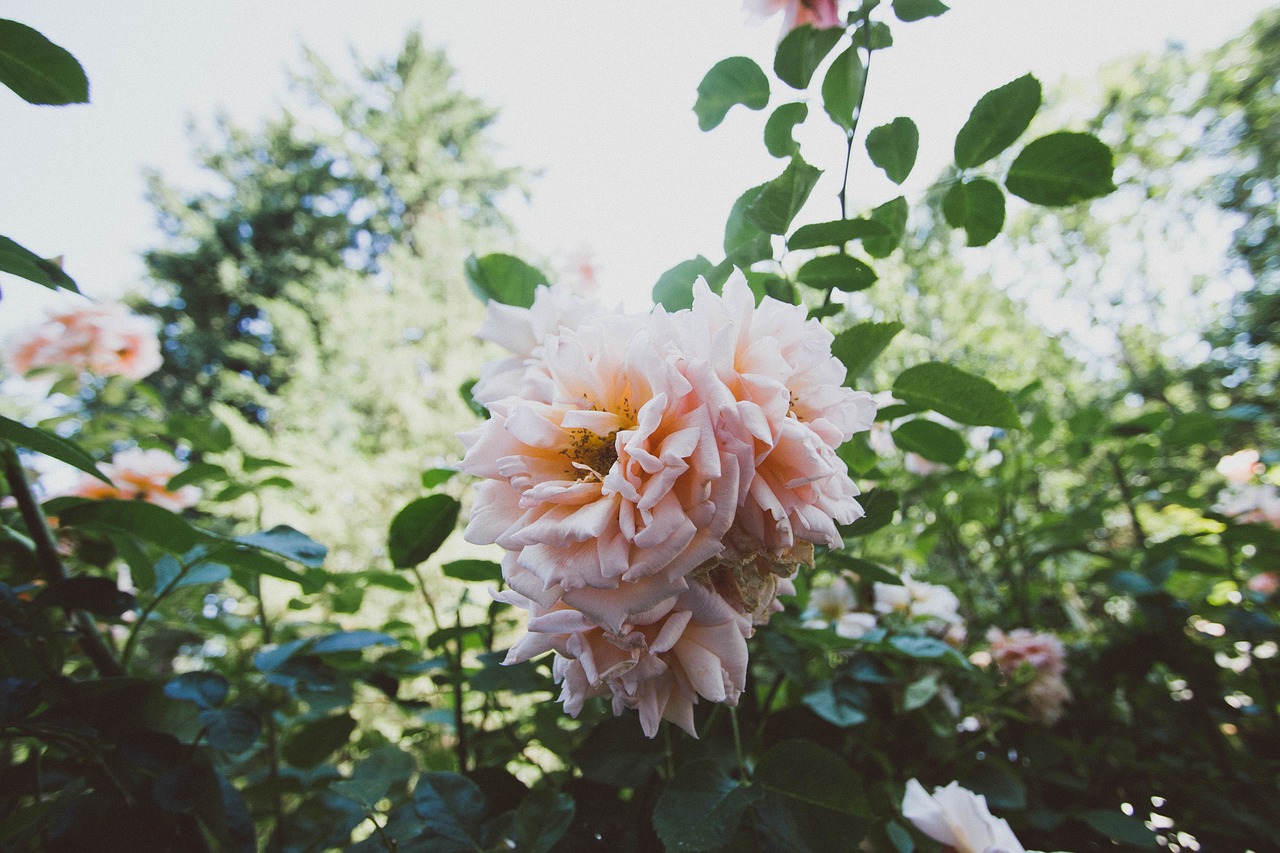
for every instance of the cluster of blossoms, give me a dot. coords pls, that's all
(103, 340)
(140, 475)
(1041, 656)
(959, 819)
(655, 480)
(932, 607)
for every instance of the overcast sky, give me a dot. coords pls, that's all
(597, 95)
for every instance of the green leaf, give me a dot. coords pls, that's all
(388, 580)
(203, 433)
(701, 807)
(801, 51)
(931, 440)
(879, 506)
(893, 216)
(977, 206)
(201, 472)
(744, 242)
(858, 346)
(257, 463)
(207, 689)
(420, 529)
(842, 87)
(842, 272)
(916, 646)
(814, 803)
(781, 199)
(674, 290)
(920, 692)
(997, 120)
(433, 477)
(836, 706)
(474, 571)
(231, 729)
(450, 805)
(914, 10)
(836, 233)
(616, 752)
(314, 742)
(736, 80)
(893, 147)
(24, 263)
(502, 278)
(1121, 827)
(777, 130)
(542, 820)
(1062, 168)
(254, 562)
(37, 69)
(351, 641)
(864, 569)
(99, 596)
(170, 575)
(141, 519)
(900, 838)
(43, 441)
(288, 543)
(960, 396)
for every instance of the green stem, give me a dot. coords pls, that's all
(865, 28)
(273, 732)
(737, 743)
(50, 564)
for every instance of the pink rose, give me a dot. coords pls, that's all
(1043, 652)
(822, 14)
(140, 475)
(104, 340)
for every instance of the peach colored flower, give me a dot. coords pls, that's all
(607, 495)
(1240, 467)
(659, 662)
(521, 331)
(141, 475)
(786, 413)
(104, 340)
(1265, 583)
(1041, 651)
(821, 14)
(959, 819)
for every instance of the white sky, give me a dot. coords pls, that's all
(595, 94)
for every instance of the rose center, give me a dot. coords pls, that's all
(592, 454)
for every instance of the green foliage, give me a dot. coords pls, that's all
(1062, 168)
(961, 396)
(778, 129)
(38, 70)
(503, 278)
(800, 53)
(841, 272)
(977, 206)
(776, 205)
(22, 262)
(736, 80)
(915, 10)
(996, 122)
(51, 445)
(842, 88)
(893, 148)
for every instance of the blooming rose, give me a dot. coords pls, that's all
(1240, 466)
(959, 819)
(141, 475)
(658, 662)
(104, 340)
(1046, 656)
(820, 13)
(932, 603)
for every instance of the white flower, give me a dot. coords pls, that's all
(1240, 466)
(958, 818)
(919, 600)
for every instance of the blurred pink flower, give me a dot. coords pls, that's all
(140, 475)
(659, 662)
(1265, 583)
(1240, 467)
(820, 13)
(1046, 696)
(612, 491)
(1044, 652)
(958, 819)
(104, 340)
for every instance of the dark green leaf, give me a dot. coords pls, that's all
(801, 51)
(388, 580)
(960, 396)
(257, 463)
(542, 820)
(977, 206)
(834, 706)
(893, 215)
(231, 729)
(866, 570)
(701, 807)
(37, 69)
(744, 242)
(253, 562)
(777, 130)
(420, 529)
(475, 571)
(43, 441)
(616, 752)
(170, 574)
(24, 263)
(433, 477)
(999, 783)
(781, 199)
(997, 121)
(736, 80)
(916, 646)
(815, 801)
(1120, 827)
(931, 440)
(144, 520)
(893, 148)
(203, 433)
(350, 641)
(201, 472)
(842, 272)
(858, 346)
(314, 742)
(914, 10)
(207, 689)
(879, 505)
(502, 278)
(288, 543)
(99, 596)
(1062, 168)
(450, 805)
(842, 87)
(674, 290)
(836, 233)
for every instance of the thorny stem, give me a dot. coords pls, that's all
(50, 564)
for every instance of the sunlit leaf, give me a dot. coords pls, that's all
(801, 51)
(997, 120)
(1062, 168)
(736, 80)
(842, 87)
(959, 395)
(977, 206)
(893, 148)
(503, 278)
(54, 446)
(778, 129)
(24, 263)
